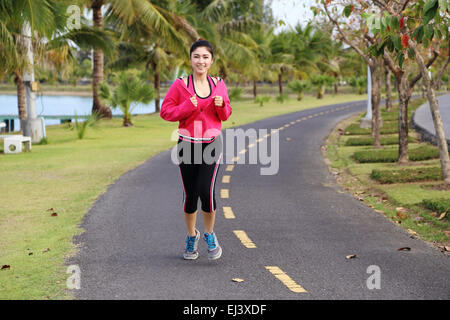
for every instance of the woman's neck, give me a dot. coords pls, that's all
(200, 77)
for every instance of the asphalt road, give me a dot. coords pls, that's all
(299, 227)
(424, 119)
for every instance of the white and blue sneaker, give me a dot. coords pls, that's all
(191, 253)
(214, 250)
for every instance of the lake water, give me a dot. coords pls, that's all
(61, 105)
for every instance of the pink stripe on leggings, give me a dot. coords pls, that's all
(212, 184)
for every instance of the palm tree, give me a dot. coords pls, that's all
(263, 37)
(48, 21)
(13, 15)
(298, 87)
(150, 35)
(282, 57)
(129, 92)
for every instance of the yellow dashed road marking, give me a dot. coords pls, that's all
(251, 145)
(261, 139)
(224, 194)
(243, 151)
(292, 122)
(285, 279)
(226, 179)
(229, 167)
(241, 235)
(228, 213)
(235, 159)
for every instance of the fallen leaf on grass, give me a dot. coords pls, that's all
(46, 250)
(6, 266)
(444, 248)
(237, 280)
(447, 233)
(54, 214)
(350, 256)
(401, 215)
(412, 232)
(442, 215)
(404, 249)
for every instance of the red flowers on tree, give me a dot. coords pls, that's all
(402, 22)
(405, 39)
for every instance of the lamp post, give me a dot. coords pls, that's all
(366, 122)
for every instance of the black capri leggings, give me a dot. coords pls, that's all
(199, 163)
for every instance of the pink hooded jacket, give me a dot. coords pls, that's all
(203, 121)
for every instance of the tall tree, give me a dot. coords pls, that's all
(351, 35)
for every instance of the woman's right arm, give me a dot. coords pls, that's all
(171, 110)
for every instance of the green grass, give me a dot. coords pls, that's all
(69, 174)
(355, 176)
(367, 141)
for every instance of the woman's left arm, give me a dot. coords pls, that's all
(225, 110)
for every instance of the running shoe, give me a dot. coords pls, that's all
(191, 253)
(214, 249)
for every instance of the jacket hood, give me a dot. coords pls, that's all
(217, 89)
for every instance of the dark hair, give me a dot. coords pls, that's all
(202, 43)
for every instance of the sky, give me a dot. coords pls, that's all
(292, 12)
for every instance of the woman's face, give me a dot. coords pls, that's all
(201, 60)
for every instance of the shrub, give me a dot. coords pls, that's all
(418, 154)
(438, 205)
(235, 94)
(368, 141)
(387, 128)
(407, 175)
(282, 97)
(261, 100)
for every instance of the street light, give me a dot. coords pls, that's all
(366, 122)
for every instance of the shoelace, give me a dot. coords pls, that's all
(210, 241)
(190, 241)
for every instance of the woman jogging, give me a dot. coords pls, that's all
(200, 103)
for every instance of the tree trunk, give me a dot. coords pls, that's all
(335, 88)
(280, 83)
(254, 89)
(21, 95)
(375, 71)
(403, 86)
(437, 120)
(158, 90)
(320, 91)
(387, 81)
(97, 106)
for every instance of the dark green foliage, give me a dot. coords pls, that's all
(421, 153)
(407, 175)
